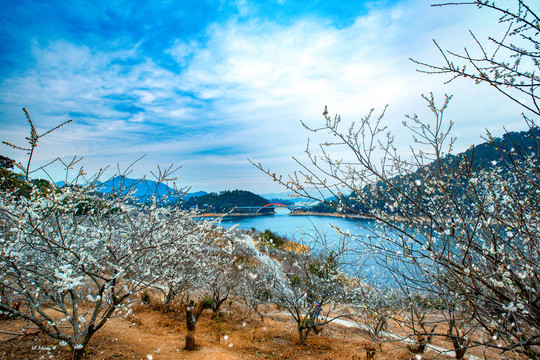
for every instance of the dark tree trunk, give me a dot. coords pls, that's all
(370, 352)
(190, 340)
(193, 311)
(77, 354)
(217, 305)
(303, 332)
(455, 334)
(168, 301)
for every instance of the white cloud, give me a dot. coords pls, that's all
(278, 71)
(246, 87)
(182, 51)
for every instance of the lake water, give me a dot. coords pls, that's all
(366, 261)
(304, 229)
(300, 228)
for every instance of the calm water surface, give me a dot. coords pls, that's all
(299, 227)
(302, 229)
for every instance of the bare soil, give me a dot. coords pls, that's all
(149, 334)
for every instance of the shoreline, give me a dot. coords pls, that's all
(225, 215)
(350, 216)
(292, 213)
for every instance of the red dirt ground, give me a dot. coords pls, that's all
(149, 334)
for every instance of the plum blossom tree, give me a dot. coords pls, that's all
(372, 309)
(508, 62)
(311, 288)
(207, 289)
(71, 257)
(199, 268)
(179, 268)
(445, 228)
(449, 227)
(254, 287)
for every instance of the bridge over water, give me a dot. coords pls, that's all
(257, 209)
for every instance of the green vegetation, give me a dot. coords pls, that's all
(227, 201)
(269, 238)
(145, 297)
(16, 183)
(323, 207)
(6, 163)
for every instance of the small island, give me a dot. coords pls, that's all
(231, 203)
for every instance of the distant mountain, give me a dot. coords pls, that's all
(195, 194)
(142, 189)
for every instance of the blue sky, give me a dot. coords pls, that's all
(209, 84)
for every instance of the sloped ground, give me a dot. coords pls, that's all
(149, 334)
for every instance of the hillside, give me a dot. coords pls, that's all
(493, 155)
(227, 201)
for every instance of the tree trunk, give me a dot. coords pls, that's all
(216, 308)
(190, 340)
(458, 339)
(168, 300)
(77, 354)
(217, 319)
(370, 352)
(303, 332)
(192, 315)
